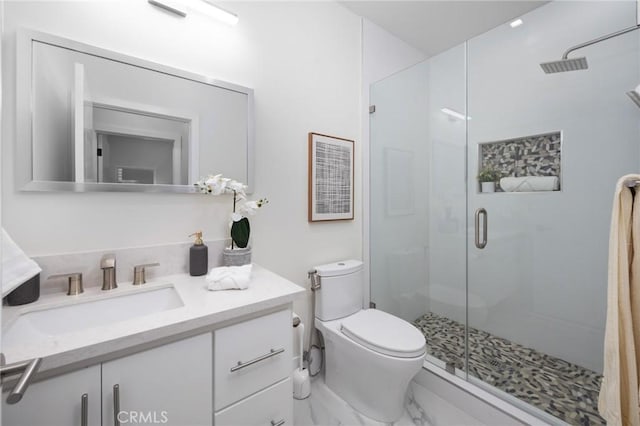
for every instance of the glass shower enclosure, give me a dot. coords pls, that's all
(509, 287)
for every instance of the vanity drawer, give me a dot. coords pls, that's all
(251, 356)
(272, 406)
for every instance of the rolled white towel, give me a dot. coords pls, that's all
(229, 278)
(16, 266)
(529, 183)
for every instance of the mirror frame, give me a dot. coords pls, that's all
(24, 114)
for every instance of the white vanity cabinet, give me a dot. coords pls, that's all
(57, 401)
(235, 375)
(169, 385)
(252, 368)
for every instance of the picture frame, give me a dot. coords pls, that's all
(331, 175)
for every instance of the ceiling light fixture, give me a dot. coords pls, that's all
(207, 8)
(204, 7)
(516, 23)
(169, 7)
(454, 114)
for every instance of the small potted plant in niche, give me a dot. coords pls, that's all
(488, 176)
(239, 253)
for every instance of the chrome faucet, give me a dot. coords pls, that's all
(108, 266)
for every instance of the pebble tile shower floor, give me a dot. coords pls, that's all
(567, 391)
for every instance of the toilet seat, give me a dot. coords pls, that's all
(384, 333)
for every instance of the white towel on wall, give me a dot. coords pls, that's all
(529, 183)
(229, 277)
(618, 401)
(16, 266)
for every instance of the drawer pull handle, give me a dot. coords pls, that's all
(278, 423)
(242, 365)
(84, 411)
(116, 405)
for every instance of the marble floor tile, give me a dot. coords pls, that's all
(423, 408)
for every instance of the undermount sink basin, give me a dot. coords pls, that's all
(98, 312)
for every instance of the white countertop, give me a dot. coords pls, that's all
(202, 309)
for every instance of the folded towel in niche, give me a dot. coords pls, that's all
(229, 277)
(530, 183)
(16, 266)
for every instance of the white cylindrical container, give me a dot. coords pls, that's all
(301, 379)
(488, 186)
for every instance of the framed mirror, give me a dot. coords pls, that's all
(90, 119)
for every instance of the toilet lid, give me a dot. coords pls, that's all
(384, 333)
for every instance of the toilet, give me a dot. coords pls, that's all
(370, 356)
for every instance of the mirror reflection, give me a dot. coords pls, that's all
(127, 146)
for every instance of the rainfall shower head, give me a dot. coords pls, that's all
(574, 64)
(565, 64)
(635, 95)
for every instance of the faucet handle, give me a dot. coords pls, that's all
(139, 272)
(108, 266)
(75, 282)
(108, 261)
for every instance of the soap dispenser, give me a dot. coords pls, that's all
(198, 256)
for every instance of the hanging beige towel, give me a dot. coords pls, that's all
(634, 291)
(618, 402)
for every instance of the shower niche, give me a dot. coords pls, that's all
(525, 164)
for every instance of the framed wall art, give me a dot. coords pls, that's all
(331, 161)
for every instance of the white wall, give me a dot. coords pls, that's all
(304, 62)
(383, 54)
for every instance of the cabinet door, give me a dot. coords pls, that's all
(57, 401)
(170, 385)
(272, 406)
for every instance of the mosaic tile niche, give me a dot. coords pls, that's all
(538, 155)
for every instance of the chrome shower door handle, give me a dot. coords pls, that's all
(481, 243)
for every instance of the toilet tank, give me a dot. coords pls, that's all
(340, 292)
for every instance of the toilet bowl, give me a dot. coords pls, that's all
(370, 356)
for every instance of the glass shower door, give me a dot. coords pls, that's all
(521, 311)
(537, 290)
(444, 323)
(418, 201)
(399, 199)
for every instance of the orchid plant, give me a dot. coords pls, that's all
(242, 208)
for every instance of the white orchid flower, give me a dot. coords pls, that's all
(202, 186)
(249, 208)
(217, 184)
(212, 180)
(239, 188)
